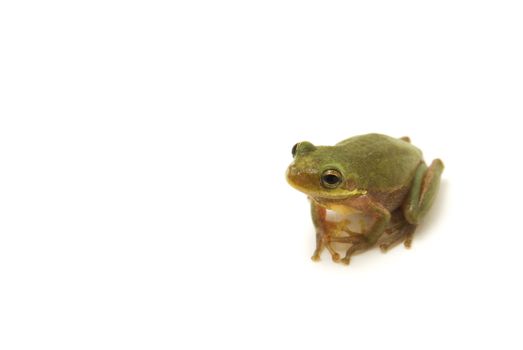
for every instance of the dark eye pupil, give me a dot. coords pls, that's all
(331, 179)
(294, 150)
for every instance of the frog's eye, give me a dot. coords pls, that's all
(302, 148)
(331, 178)
(294, 148)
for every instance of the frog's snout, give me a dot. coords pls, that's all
(299, 178)
(292, 175)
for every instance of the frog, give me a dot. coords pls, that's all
(381, 177)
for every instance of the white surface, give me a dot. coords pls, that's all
(142, 153)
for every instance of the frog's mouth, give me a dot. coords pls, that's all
(326, 194)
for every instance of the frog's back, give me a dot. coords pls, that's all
(381, 162)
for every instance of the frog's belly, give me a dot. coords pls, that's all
(342, 209)
(346, 217)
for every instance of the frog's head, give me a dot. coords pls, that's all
(319, 172)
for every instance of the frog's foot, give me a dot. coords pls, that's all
(335, 256)
(359, 244)
(403, 234)
(348, 239)
(316, 255)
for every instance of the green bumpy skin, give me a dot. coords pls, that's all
(379, 176)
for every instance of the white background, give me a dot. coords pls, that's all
(143, 146)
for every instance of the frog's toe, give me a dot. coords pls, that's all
(315, 257)
(409, 234)
(384, 247)
(335, 257)
(345, 260)
(408, 242)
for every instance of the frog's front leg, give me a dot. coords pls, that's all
(319, 218)
(370, 237)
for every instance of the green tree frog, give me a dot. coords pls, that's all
(378, 176)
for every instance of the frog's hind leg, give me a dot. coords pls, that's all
(423, 191)
(419, 200)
